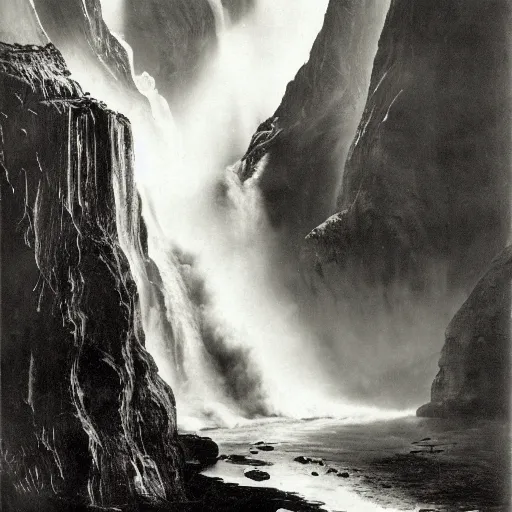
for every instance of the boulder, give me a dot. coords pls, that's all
(201, 450)
(256, 475)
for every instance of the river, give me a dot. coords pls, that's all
(462, 464)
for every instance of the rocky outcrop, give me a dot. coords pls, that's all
(199, 452)
(297, 155)
(426, 189)
(84, 412)
(474, 369)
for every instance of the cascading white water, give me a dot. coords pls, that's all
(179, 166)
(238, 89)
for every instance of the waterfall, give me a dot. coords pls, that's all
(253, 321)
(239, 350)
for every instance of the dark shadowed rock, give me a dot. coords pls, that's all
(474, 369)
(78, 30)
(246, 461)
(302, 460)
(427, 179)
(213, 495)
(82, 404)
(256, 474)
(202, 450)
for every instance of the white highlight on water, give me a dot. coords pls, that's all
(178, 167)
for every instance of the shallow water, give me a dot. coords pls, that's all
(468, 468)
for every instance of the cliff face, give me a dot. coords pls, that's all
(426, 188)
(170, 40)
(84, 412)
(91, 52)
(474, 369)
(299, 152)
(173, 39)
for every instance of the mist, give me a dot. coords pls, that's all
(232, 341)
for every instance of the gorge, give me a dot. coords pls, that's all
(233, 213)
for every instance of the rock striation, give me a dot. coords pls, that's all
(474, 369)
(84, 413)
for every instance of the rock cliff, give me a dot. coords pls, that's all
(170, 40)
(426, 188)
(297, 155)
(94, 56)
(173, 39)
(474, 369)
(84, 412)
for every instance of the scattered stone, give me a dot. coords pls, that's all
(321, 463)
(332, 470)
(265, 448)
(259, 443)
(314, 473)
(344, 475)
(256, 475)
(254, 452)
(247, 461)
(223, 457)
(302, 460)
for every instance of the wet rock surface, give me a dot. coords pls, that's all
(257, 475)
(83, 406)
(201, 449)
(246, 461)
(212, 495)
